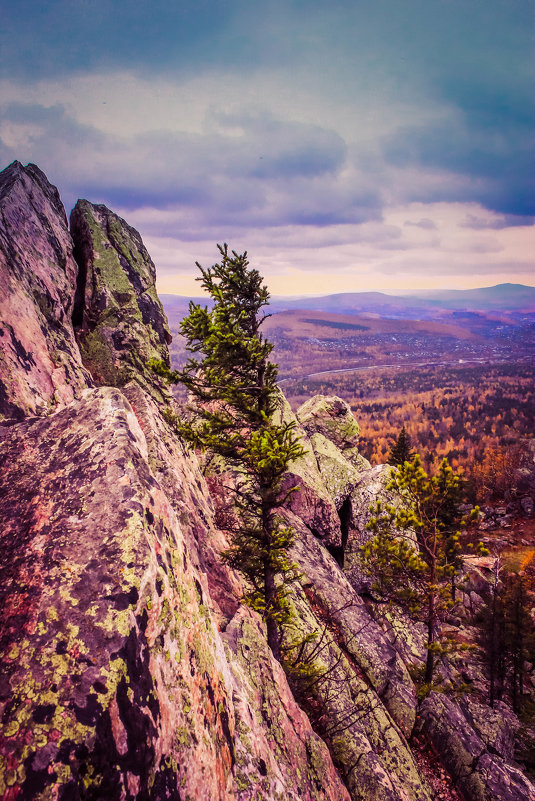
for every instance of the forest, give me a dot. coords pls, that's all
(462, 386)
(459, 412)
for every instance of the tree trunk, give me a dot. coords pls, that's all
(430, 661)
(270, 591)
(270, 588)
(431, 625)
(493, 649)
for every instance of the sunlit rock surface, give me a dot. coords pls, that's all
(115, 678)
(332, 417)
(313, 504)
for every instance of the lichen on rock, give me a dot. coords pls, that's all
(332, 417)
(120, 322)
(479, 773)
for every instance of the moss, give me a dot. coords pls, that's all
(96, 352)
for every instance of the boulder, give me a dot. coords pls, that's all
(361, 635)
(372, 487)
(179, 471)
(40, 365)
(528, 505)
(313, 503)
(120, 322)
(332, 417)
(113, 682)
(496, 726)
(479, 774)
(367, 746)
(339, 475)
(277, 753)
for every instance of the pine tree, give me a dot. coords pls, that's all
(492, 634)
(400, 452)
(519, 639)
(507, 636)
(414, 555)
(234, 385)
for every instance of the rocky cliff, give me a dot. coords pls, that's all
(129, 667)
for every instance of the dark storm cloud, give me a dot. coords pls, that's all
(497, 162)
(483, 76)
(65, 36)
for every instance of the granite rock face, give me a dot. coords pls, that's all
(116, 682)
(362, 637)
(314, 504)
(371, 487)
(338, 474)
(120, 321)
(40, 365)
(478, 771)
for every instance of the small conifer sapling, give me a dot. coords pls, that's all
(414, 555)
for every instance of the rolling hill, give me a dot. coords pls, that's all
(507, 299)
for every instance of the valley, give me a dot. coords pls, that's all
(462, 382)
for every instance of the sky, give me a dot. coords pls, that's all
(347, 145)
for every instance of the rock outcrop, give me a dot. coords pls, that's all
(120, 321)
(116, 682)
(130, 669)
(40, 365)
(479, 772)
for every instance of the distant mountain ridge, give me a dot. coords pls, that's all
(502, 296)
(422, 305)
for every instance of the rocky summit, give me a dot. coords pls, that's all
(130, 667)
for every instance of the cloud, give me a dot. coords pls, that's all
(425, 223)
(339, 136)
(440, 267)
(66, 36)
(494, 154)
(495, 222)
(248, 169)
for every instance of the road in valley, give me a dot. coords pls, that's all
(398, 365)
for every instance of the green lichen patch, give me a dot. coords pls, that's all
(123, 325)
(332, 417)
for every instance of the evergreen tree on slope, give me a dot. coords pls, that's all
(234, 384)
(400, 452)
